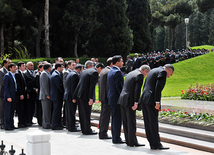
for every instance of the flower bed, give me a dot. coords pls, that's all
(192, 116)
(199, 92)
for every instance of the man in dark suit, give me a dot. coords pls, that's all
(57, 92)
(151, 102)
(21, 95)
(84, 93)
(29, 75)
(72, 80)
(3, 71)
(115, 84)
(103, 97)
(129, 64)
(44, 96)
(58, 60)
(128, 100)
(38, 102)
(10, 90)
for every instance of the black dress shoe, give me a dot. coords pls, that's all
(21, 126)
(119, 142)
(57, 128)
(105, 137)
(137, 145)
(2, 126)
(15, 127)
(74, 130)
(47, 127)
(159, 148)
(9, 129)
(90, 133)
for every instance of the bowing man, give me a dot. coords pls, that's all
(151, 103)
(128, 100)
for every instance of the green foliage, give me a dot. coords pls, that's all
(205, 5)
(139, 15)
(208, 47)
(192, 116)
(170, 14)
(198, 69)
(114, 35)
(5, 56)
(20, 52)
(199, 92)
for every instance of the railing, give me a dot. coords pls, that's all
(10, 152)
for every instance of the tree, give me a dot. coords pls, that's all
(114, 35)
(46, 17)
(7, 15)
(79, 21)
(170, 14)
(139, 15)
(205, 5)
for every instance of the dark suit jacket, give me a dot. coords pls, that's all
(103, 85)
(30, 81)
(21, 84)
(131, 89)
(115, 84)
(9, 87)
(56, 85)
(71, 82)
(86, 86)
(3, 71)
(153, 86)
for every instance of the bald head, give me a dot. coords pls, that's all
(30, 65)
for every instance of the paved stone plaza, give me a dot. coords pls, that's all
(67, 143)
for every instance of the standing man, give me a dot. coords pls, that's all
(103, 97)
(38, 102)
(84, 93)
(71, 67)
(10, 90)
(29, 75)
(44, 96)
(128, 100)
(21, 95)
(3, 71)
(70, 107)
(151, 103)
(129, 64)
(57, 92)
(115, 84)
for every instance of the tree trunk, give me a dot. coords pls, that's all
(38, 37)
(75, 46)
(171, 38)
(46, 17)
(12, 35)
(2, 39)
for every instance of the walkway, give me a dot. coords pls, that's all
(67, 143)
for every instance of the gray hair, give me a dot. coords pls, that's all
(145, 67)
(88, 63)
(169, 66)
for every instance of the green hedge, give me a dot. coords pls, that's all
(52, 60)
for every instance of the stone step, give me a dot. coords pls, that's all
(174, 139)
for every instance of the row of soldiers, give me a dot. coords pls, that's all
(156, 59)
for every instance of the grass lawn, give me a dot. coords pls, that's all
(199, 69)
(209, 47)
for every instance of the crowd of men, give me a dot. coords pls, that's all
(156, 59)
(53, 92)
